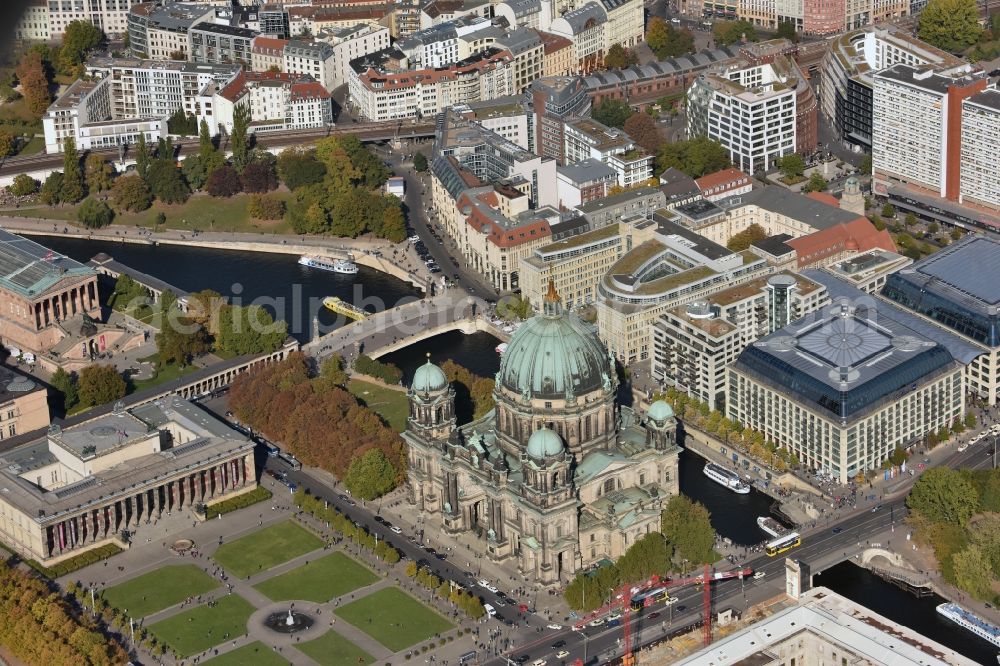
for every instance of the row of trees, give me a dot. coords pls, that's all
(345, 526)
(320, 423)
(41, 627)
(386, 372)
(957, 513)
(467, 602)
(337, 188)
(686, 538)
(96, 384)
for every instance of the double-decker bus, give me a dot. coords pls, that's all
(648, 598)
(783, 544)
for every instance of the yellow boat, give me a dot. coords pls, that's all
(344, 308)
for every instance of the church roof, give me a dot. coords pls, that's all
(595, 463)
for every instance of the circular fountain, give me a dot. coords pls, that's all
(288, 622)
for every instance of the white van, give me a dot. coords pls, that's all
(490, 611)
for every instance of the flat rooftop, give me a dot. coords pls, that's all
(969, 269)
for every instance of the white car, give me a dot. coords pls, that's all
(671, 601)
(538, 662)
(615, 616)
(562, 654)
(757, 575)
(995, 430)
(555, 627)
(596, 622)
(484, 583)
(396, 530)
(413, 239)
(963, 447)
(490, 611)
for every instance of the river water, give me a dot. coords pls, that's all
(276, 281)
(919, 614)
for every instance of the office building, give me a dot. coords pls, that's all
(750, 111)
(508, 117)
(849, 69)
(693, 344)
(676, 266)
(869, 271)
(957, 289)
(585, 139)
(586, 28)
(558, 476)
(842, 389)
(81, 486)
(554, 100)
(45, 20)
(917, 128)
(315, 59)
(558, 55)
(583, 182)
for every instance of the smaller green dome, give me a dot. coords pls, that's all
(428, 377)
(660, 411)
(544, 443)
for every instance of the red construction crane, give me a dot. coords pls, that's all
(625, 594)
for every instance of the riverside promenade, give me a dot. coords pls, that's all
(396, 259)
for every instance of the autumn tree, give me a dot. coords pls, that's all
(643, 130)
(942, 494)
(6, 143)
(259, 177)
(746, 238)
(180, 339)
(730, 32)
(300, 167)
(473, 394)
(130, 193)
(792, 166)
(34, 82)
(100, 384)
(618, 57)
(666, 41)
(51, 192)
(223, 182)
(23, 185)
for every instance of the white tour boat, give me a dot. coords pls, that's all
(345, 266)
(724, 477)
(970, 621)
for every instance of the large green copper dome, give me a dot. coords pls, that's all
(428, 377)
(555, 355)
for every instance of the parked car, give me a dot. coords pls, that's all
(757, 575)
(395, 530)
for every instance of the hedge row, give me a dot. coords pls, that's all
(258, 494)
(76, 562)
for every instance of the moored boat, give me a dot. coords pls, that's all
(726, 478)
(771, 526)
(971, 622)
(344, 266)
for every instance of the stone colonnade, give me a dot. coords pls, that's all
(129, 510)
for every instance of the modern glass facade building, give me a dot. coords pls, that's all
(843, 389)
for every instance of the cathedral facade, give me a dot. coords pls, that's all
(558, 476)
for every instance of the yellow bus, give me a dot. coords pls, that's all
(783, 544)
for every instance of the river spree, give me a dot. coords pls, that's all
(919, 614)
(276, 281)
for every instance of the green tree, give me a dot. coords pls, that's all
(99, 173)
(943, 495)
(687, 526)
(99, 385)
(240, 139)
(866, 164)
(786, 30)
(181, 124)
(51, 192)
(23, 185)
(298, 168)
(94, 213)
(695, 157)
(206, 146)
(972, 569)
(666, 41)
(618, 57)
(911, 219)
(166, 182)
(80, 38)
(72, 186)
(370, 475)
(332, 372)
(142, 157)
(612, 112)
(984, 531)
(951, 25)
(888, 210)
(899, 456)
(730, 32)
(249, 330)
(180, 339)
(420, 161)
(65, 383)
(130, 193)
(263, 207)
(792, 166)
(816, 183)
(6, 143)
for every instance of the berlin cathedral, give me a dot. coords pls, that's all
(558, 476)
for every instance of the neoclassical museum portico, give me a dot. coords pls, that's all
(82, 486)
(559, 475)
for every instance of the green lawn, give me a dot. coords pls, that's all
(394, 618)
(255, 653)
(34, 145)
(319, 581)
(266, 548)
(200, 212)
(391, 405)
(202, 627)
(160, 589)
(332, 649)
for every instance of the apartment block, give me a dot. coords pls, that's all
(585, 138)
(315, 59)
(216, 44)
(160, 32)
(46, 20)
(980, 152)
